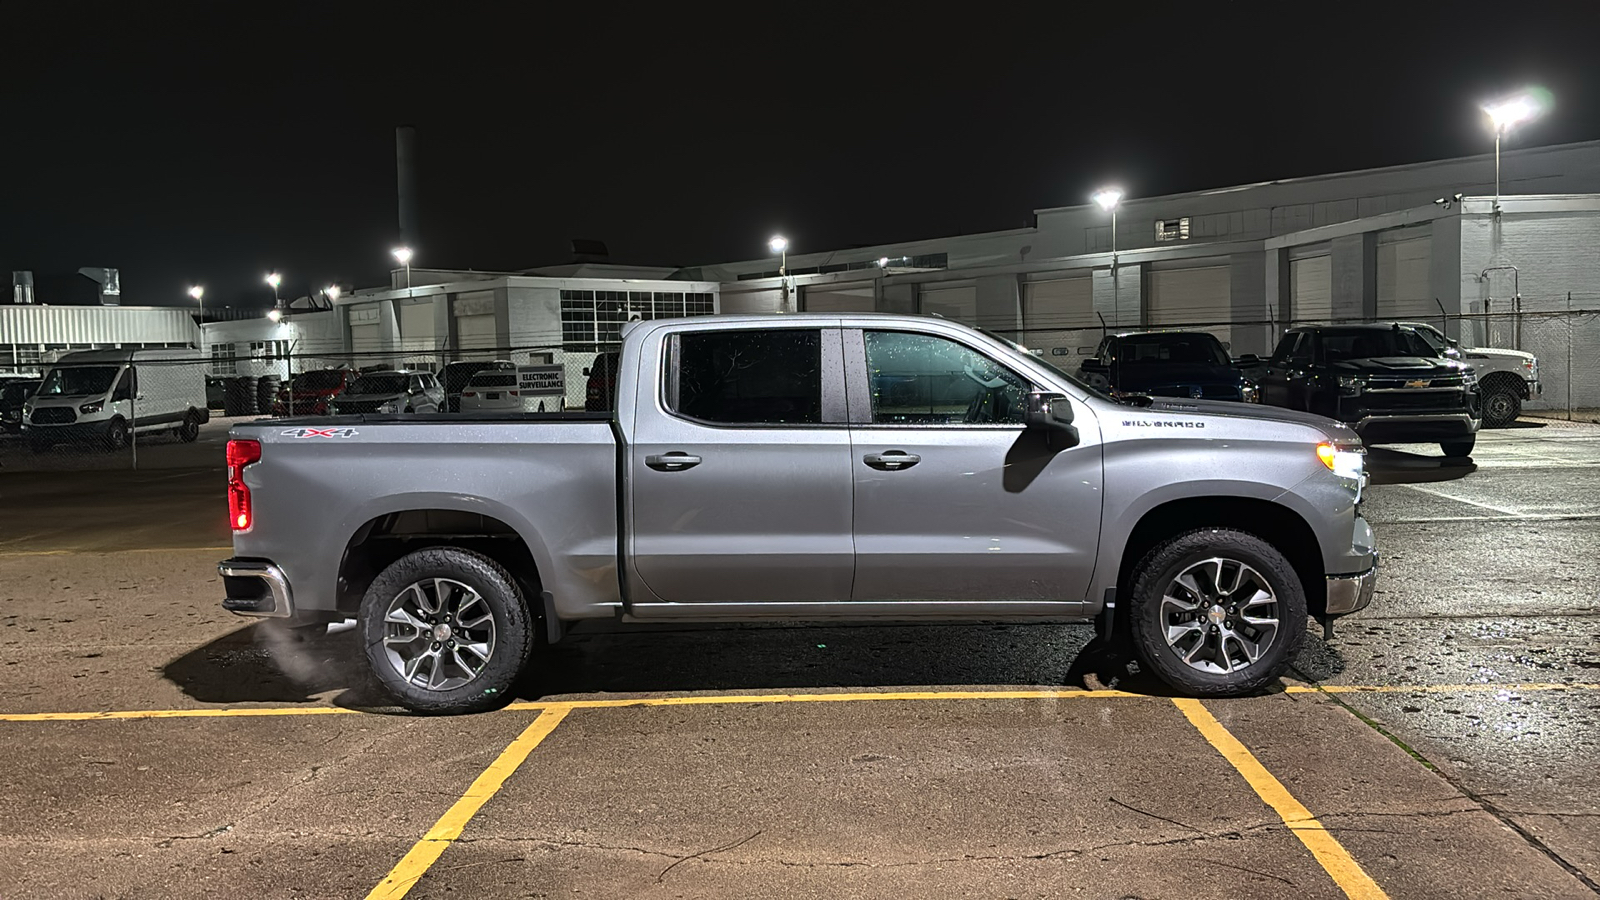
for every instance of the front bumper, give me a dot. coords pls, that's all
(256, 587)
(76, 432)
(1412, 428)
(1349, 593)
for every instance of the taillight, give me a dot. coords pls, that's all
(469, 394)
(240, 454)
(512, 393)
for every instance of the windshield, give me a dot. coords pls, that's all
(319, 380)
(74, 381)
(1339, 344)
(1157, 349)
(378, 384)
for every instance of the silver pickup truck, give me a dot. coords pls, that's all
(805, 467)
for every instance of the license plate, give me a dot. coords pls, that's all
(492, 395)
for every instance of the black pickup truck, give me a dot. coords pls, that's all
(1384, 381)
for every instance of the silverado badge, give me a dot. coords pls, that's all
(1419, 383)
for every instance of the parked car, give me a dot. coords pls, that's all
(600, 394)
(1189, 364)
(13, 394)
(108, 395)
(312, 391)
(751, 472)
(1505, 377)
(1385, 381)
(454, 376)
(388, 392)
(493, 390)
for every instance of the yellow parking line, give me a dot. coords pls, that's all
(1335, 860)
(76, 552)
(425, 852)
(735, 699)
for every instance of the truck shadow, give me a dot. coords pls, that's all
(1386, 465)
(255, 665)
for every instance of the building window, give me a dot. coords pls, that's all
(28, 356)
(222, 360)
(1172, 229)
(591, 321)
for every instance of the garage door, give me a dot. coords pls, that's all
(1197, 298)
(959, 304)
(476, 332)
(416, 326)
(838, 298)
(757, 302)
(1058, 315)
(1405, 289)
(365, 334)
(1311, 289)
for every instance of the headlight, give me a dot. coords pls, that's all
(1249, 393)
(1345, 463)
(92, 407)
(388, 406)
(1351, 385)
(1469, 379)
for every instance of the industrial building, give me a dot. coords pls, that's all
(32, 336)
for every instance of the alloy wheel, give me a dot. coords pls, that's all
(1219, 615)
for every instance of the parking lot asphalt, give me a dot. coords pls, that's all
(1444, 743)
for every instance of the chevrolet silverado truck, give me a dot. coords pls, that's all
(1505, 377)
(805, 467)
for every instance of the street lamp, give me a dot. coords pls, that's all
(403, 254)
(199, 293)
(1108, 198)
(274, 279)
(332, 291)
(275, 315)
(1503, 115)
(780, 245)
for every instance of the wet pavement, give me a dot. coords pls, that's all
(1453, 752)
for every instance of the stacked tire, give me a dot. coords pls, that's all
(240, 398)
(266, 393)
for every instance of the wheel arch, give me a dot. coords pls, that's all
(1495, 381)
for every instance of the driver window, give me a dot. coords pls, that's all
(919, 379)
(126, 385)
(415, 384)
(1301, 351)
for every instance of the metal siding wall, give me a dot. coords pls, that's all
(958, 304)
(839, 298)
(765, 300)
(96, 325)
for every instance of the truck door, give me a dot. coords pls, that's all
(1285, 380)
(740, 467)
(955, 498)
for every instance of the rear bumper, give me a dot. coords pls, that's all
(1349, 593)
(256, 587)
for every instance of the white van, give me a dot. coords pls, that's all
(107, 395)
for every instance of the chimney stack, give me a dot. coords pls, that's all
(22, 287)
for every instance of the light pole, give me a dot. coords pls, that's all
(1503, 115)
(198, 293)
(780, 245)
(1107, 199)
(403, 254)
(274, 279)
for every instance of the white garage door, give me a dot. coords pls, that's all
(416, 326)
(1404, 287)
(758, 302)
(476, 332)
(1058, 315)
(365, 334)
(1311, 289)
(959, 304)
(1197, 298)
(838, 298)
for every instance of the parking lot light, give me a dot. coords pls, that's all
(1504, 115)
(198, 293)
(780, 245)
(403, 256)
(332, 291)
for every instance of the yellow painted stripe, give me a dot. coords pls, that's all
(425, 852)
(1334, 858)
(736, 699)
(75, 552)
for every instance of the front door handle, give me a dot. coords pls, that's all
(891, 460)
(676, 461)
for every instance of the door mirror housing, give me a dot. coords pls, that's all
(1094, 364)
(1052, 414)
(1248, 359)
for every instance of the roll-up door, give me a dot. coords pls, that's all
(959, 304)
(838, 298)
(365, 328)
(1405, 290)
(476, 332)
(757, 302)
(1311, 289)
(1058, 315)
(1197, 298)
(416, 325)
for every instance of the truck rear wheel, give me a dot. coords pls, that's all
(446, 631)
(1217, 613)
(1501, 407)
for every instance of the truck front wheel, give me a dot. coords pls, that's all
(446, 631)
(1217, 612)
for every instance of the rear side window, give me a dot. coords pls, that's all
(749, 377)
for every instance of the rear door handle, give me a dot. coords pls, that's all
(676, 461)
(891, 460)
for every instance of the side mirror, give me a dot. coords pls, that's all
(1094, 364)
(1052, 414)
(1248, 359)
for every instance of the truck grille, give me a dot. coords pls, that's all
(1418, 400)
(1403, 383)
(54, 415)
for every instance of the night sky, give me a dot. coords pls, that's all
(193, 143)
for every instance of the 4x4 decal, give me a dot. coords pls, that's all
(320, 432)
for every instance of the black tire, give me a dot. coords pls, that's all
(266, 393)
(190, 429)
(1501, 408)
(1458, 449)
(515, 630)
(117, 435)
(1162, 565)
